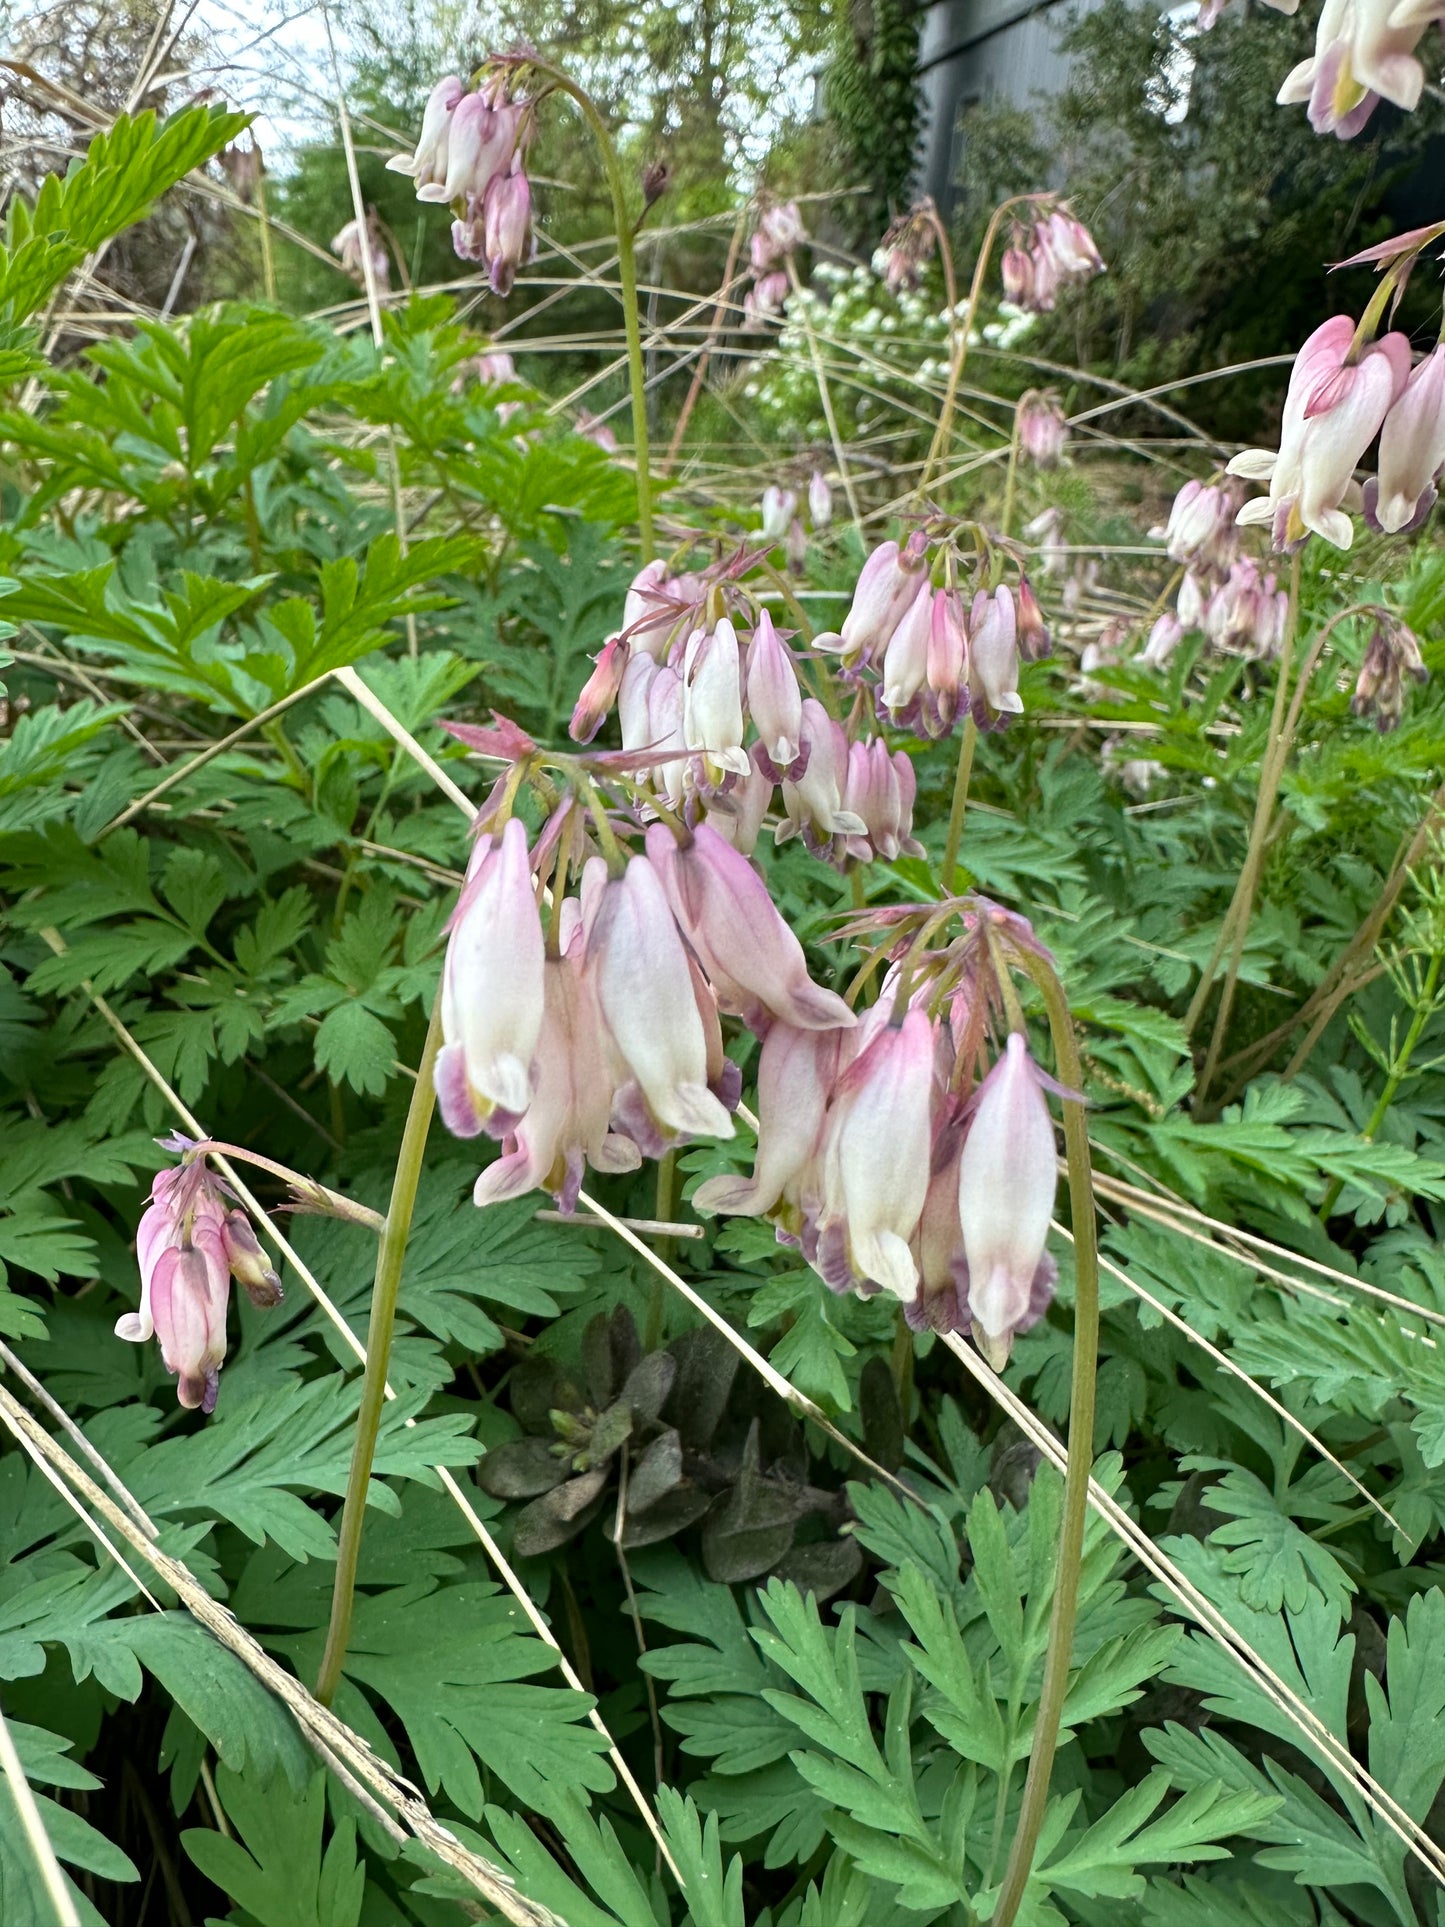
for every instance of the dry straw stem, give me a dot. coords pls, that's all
(77, 1438)
(1177, 1216)
(1227, 1364)
(373, 299)
(332, 1737)
(33, 1827)
(1314, 1735)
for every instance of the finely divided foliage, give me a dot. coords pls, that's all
(614, 969)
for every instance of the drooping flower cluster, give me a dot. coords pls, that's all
(1365, 52)
(1224, 594)
(1042, 427)
(711, 705)
(596, 1040)
(929, 655)
(471, 154)
(1056, 252)
(907, 247)
(778, 235)
(782, 522)
(352, 245)
(886, 1159)
(189, 1246)
(714, 720)
(1391, 654)
(1349, 384)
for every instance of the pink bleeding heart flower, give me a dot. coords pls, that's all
(1412, 451)
(428, 165)
(994, 658)
(754, 962)
(568, 1120)
(491, 991)
(1333, 410)
(796, 1073)
(645, 991)
(775, 702)
(872, 1203)
(480, 142)
(1006, 1183)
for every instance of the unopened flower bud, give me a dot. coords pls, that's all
(779, 505)
(249, 1264)
(820, 500)
(1042, 427)
(600, 690)
(656, 177)
(1391, 654)
(1034, 639)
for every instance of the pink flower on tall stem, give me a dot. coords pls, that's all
(1412, 451)
(1006, 1184)
(1339, 395)
(752, 959)
(491, 991)
(188, 1245)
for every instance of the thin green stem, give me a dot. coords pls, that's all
(824, 393)
(1270, 770)
(947, 876)
(958, 336)
(663, 1196)
(1424, 1011)
(1010, 481)
(276, 736)
(391, 1253)
(627, 275)
(1282, 743)
(1080, 1458)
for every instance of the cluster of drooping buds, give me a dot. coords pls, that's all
(714, 719)
(189, 1245)
(932, 654)
(1365, 52)
(491, 369)
(471, 154)
(907, 247)
(886, 1159)
(595, 1040)
(1347, 386)
(782, 522)
(1057, 251)
(354, 243)
(1243, 614)
(1042, 427)
(1391, 654)
(778, 236)
(1223, 594)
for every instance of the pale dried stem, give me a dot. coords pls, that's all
(317, 1722)
(1226, 1363)
(33, 1827)
(181, 771)
(1312, 1731)
(374, 706)
(77, 1438)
